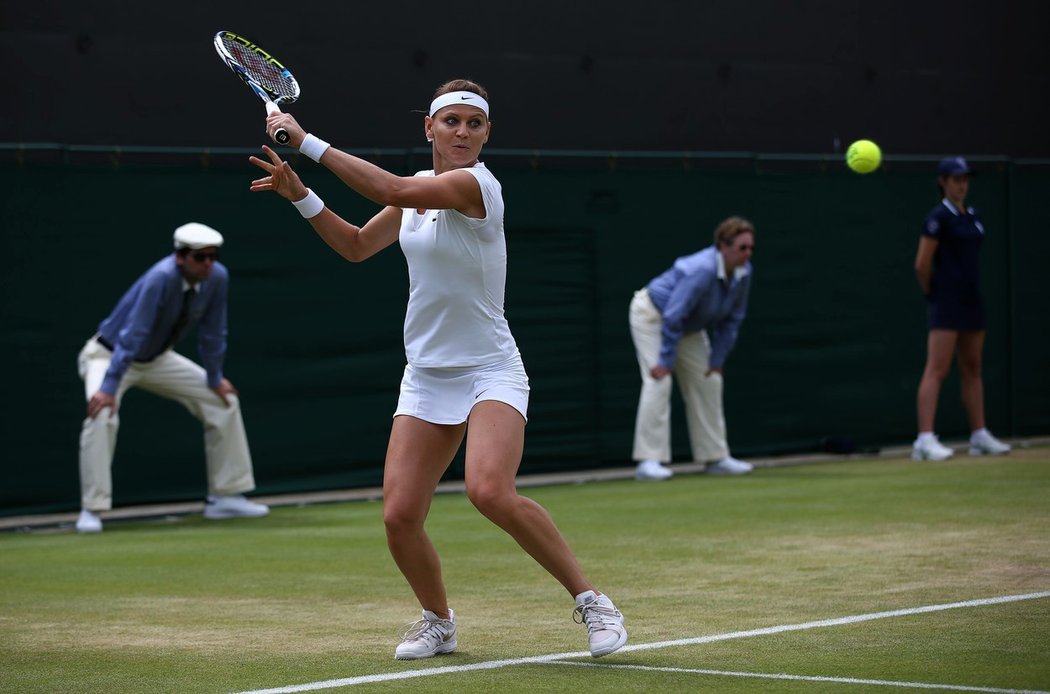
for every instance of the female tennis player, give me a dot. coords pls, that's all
(463, 364)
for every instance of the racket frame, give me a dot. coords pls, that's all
(271, 99)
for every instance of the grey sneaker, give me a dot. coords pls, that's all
(983, 443)
(652, 470)
(89, 522)
(930, 449)
(221, 507)
(605, 630)
(729, 466)
(428, 637)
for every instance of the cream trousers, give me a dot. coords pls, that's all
(171, 375)
(702, 394)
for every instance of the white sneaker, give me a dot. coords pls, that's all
(428, 637)
(729, 466)
(220, 507)
(652, 470)
(930, 449)
(983, 443)
(89, 522)
(605, 630)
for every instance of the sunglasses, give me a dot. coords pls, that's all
(201, 256)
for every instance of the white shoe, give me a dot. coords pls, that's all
(220, 507)
(983, 443)
(89, 522)
(428, 637)
(605, 630)
(652, 470)
(930, 449)
(729, 466)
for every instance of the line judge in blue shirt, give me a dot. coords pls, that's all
(133, 347)
(686, 322)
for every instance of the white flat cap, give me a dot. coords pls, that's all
(196, 235)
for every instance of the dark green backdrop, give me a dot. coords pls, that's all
(833, 344)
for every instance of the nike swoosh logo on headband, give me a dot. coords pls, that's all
(459, 97)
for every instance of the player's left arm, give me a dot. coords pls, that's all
(452, 190)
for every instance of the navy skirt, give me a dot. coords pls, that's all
(955, 315)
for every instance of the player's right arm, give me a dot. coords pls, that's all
(358, 243)
(348, 240)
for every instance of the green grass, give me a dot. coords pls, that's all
(310, 593)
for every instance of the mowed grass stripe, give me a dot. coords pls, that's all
(555, 658)
(806, 678)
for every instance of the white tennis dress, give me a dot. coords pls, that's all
(457, 341)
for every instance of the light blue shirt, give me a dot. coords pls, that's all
(694, 295)
(141, 324)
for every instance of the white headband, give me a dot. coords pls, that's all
(468, 98)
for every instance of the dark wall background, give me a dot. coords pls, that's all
(832, 347)
(764, 75)
(153, 131)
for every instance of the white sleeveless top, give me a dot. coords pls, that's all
(457, 272)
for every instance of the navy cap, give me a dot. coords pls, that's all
(953, 166)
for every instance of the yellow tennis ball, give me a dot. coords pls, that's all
(863, 156)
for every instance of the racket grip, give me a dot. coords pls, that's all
(280, 135)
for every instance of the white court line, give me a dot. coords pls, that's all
(551, 658)
(806, 678)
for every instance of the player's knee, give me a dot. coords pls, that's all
(401, 519)
(489, 499)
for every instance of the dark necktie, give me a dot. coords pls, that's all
(184, 317)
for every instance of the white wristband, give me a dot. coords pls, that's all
(310, 206)
(313, 147)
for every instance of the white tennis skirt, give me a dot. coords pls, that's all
(446, 395)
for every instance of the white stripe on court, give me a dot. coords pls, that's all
(551, 658)
(836, 622)
(805, 678)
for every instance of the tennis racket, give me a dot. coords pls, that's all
(270, 80)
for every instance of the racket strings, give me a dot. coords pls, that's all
(276, 80)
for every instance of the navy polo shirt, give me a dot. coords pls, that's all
(955, 286)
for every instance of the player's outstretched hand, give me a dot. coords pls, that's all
(282, 179)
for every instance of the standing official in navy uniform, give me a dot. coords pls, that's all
(948, 268)
(133, 347)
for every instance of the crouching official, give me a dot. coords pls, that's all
(133, 347)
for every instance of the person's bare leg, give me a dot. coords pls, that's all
(940, 346)
(495, 442)
(971, 348)
(418, 454)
